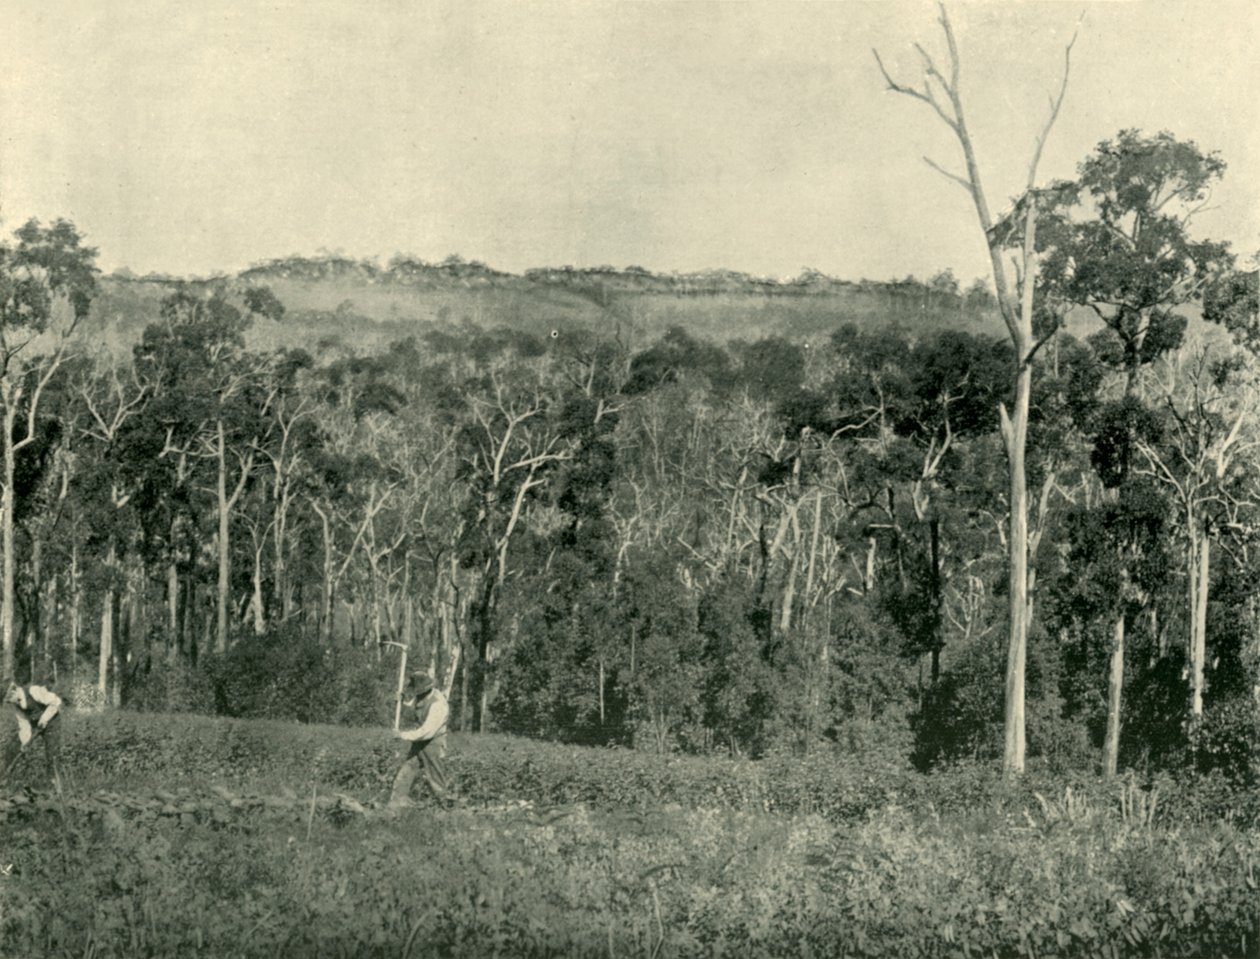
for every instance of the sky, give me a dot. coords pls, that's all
(192, 139)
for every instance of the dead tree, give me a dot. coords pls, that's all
(942, 92)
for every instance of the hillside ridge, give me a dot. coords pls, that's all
(363, 305)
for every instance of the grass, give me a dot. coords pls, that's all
(206, 843)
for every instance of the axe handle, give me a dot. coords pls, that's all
(402, 678)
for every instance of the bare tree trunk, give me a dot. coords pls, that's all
(37, 583)
(281, 593)
(125, 643)
(187, 617)
(1198, 629)
(256, 602)
(172, 603)
(1015, 432)
(375, 599)
(483, 708)
(938, 618)
(75, 626)
(107, 630)
(6, 533)
(326, 608)
(813, 548)
(225, 569)
(868, 577)
(50, 620)
(1115, 689)
(463, 695)
(106, 644)
(1017, 314)
(789, 594)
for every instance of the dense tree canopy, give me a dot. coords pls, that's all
(768, 545)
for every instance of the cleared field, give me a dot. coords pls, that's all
(194, 836)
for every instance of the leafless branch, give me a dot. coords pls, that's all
(1055, 106)
(961, 181)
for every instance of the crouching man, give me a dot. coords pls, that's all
(428, 711)
(36, 709)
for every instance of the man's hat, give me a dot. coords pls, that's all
(420, 683)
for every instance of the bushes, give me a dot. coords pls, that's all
(1227, 740)
(1055, 885)
(115, 747)
(284, 674)
(289, 675)
(659, 855)
(683, 882)
(174, 687)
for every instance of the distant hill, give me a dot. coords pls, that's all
(349, 304)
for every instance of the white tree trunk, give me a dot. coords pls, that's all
(6, 525)
(107, 632)
(225, 569)
(1115, 687)
(256, 601)
(1198, 629)
(1015, 433)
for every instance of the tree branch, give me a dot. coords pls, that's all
(965, 184)
(1056, 104)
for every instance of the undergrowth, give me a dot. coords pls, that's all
(194, 836)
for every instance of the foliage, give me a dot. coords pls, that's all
(1227, 741)
(118, 750)
(630, 532)
(160, 856)
(284, 674)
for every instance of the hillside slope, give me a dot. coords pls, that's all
(337, 302)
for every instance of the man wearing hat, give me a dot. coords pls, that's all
(36, 709)
(428, 706)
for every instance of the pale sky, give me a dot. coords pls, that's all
(191, 138)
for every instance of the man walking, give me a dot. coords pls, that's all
(429, 711)
(36, 709)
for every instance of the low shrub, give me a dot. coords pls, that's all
(577, 882)
(116, 746)
(1226, 740)
(287, 674)
(173, 687)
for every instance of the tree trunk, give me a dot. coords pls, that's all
(326, 609)
(257, 612)
(75, 607)
(463, 695)
(938, 619)
(1198, 627)
(1015, 433)
(106, 644)
(187, 616)
(107, 630)
(280, 588)
(813, 548)
(37, 587)
(789, 595)
(50, 620)
(6, 535)
(868, 578)
(172, 606)
(125, 614)
(1115, 689)
(225, 570)
(1018, 316)
(375, 600)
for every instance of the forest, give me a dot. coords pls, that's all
(762, 546)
